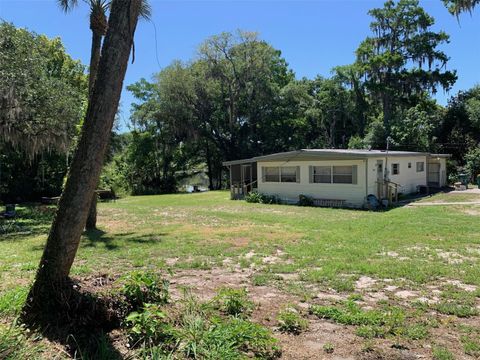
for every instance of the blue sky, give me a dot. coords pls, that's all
(314, 35)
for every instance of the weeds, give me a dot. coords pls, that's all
(149, 326)
(141, 288)
(290, 320)
(234, 302)
(442, 353)
(389, 320)
(11, 301)
(328, 348)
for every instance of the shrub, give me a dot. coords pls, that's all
(253, 197)
(472, 162)
(234, 302)
(291, 321)
(145, 287)
(149, 326)
(304, 200)
(256, 197)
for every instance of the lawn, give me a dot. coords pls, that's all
(425, 261)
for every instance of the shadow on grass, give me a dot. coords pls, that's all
(96, 236)
(112, 241)
(79, 320)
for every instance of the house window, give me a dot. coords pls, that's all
(288, 174)
(409, 165)
(343, 174)
(322, 174)
(395, 169)
(281, 174)
(333, 174)
(420, 166)
(272, 174)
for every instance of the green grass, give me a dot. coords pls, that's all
(442, 353)
(452, 197)
(328, 248)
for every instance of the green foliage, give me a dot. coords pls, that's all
(304, 200)
(196, 330)
(14, 344)
(256, 197)
(11, 301)
(457, 7)
(234, 302)
(141, 288)
(388, 320)
(401, 60)
(149, 326)
(457, 302)
(472, 160)
(43, 92)
(328, 348)
(442, 353)
(43, 89)
(290, 320)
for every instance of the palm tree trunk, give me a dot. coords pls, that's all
(97, 35)
(51, 283)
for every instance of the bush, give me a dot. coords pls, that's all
(141, 288)
(304, 200)
(234, 302)
(291, 321)
(149, 326)
(256, 197)
(472, 162)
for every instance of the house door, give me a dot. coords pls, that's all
(247, 177)
(380, 178)
(433, 174)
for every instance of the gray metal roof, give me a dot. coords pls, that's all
(334, 154)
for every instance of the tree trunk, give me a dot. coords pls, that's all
(98, 27)
(91, 223)
(46, 294)
(94, 59)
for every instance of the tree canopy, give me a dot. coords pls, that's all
(42, 91)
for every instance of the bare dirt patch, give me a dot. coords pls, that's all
(322, 333)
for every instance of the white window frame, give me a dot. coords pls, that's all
(397, 165)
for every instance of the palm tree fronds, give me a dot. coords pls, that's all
(67, 5)
(145, 10)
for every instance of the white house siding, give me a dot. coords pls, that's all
(353, 194)
(408, 178)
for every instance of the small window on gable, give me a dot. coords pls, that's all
(395, 169)
(409, 165)
(420, 166)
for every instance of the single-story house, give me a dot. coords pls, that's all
(335, 177)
